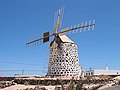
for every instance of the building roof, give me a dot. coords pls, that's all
(61, 39)
(64, 38)
(107, 72)
(104, 72)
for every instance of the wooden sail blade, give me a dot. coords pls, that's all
(77, 28)
(58, 19)
(45, 38)
(33, 41)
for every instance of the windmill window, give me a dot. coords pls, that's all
(61, 72)
(67, 54)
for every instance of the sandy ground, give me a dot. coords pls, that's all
(90, 86)
(106, 86)
(111, 88)
(19, 87)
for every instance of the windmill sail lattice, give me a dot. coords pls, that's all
(80, 28)
(63, 59)
(58, 19)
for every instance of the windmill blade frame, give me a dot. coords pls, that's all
(77, 28)
(46, 35)
(45, 38)
(58, 19)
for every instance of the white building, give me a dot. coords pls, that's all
(102, 72)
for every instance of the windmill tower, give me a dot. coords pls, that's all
(63, 58)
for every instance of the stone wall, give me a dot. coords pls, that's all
(64, 60)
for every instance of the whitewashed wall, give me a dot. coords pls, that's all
(64, 61)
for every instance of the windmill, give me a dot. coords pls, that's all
(63, 58)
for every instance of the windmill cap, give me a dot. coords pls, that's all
(64, 38)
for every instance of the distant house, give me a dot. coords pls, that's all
(102, 72)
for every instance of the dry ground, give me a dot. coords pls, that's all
(20, 87)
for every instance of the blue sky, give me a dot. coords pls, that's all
(24, 20)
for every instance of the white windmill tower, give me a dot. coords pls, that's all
(63, 58)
